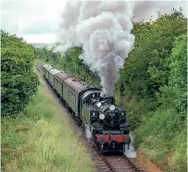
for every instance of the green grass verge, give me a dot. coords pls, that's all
(162, 138)
(41, 139)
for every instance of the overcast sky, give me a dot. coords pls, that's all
(37, 20)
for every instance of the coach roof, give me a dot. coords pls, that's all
(47, 67)
(54, 71)
(76, 85)
(62, 76)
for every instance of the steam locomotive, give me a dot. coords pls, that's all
(107, 122)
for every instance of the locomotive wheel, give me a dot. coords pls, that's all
(123, 149)
(101, 149)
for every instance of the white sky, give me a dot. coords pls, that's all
(37, 20)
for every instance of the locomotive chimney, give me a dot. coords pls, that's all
(110, 100)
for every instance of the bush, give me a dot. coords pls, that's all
(18, 80)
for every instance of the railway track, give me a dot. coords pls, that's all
(122, 164)
(113, 163)
(108, 163)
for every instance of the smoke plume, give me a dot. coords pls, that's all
(103, 30)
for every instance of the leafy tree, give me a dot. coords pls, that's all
(147, 67)
(47, 55)
(18, 81)
(175, 92)
(74, 65)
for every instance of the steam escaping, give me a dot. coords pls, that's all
(103, 29)
(130, 152)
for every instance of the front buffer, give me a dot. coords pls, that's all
(112, 143)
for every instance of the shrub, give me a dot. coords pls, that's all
(18, 80)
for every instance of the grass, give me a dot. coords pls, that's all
(163, 139)
(41, 139)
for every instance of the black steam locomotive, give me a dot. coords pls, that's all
(106, 121)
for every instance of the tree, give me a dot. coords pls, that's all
(174, 94)
(147, 67)
(18, 80)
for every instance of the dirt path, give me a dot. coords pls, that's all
(146, 163)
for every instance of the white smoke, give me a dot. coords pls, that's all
(103, 29)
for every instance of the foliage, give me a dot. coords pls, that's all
(155, 74)
(47, 55)
(74, 65)
(147, 69)
(149, 62)
(18, 81)
(175, 92)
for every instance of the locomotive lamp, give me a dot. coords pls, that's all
(99, 104)
(101, 116)
(93, 114)
(112, 107)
